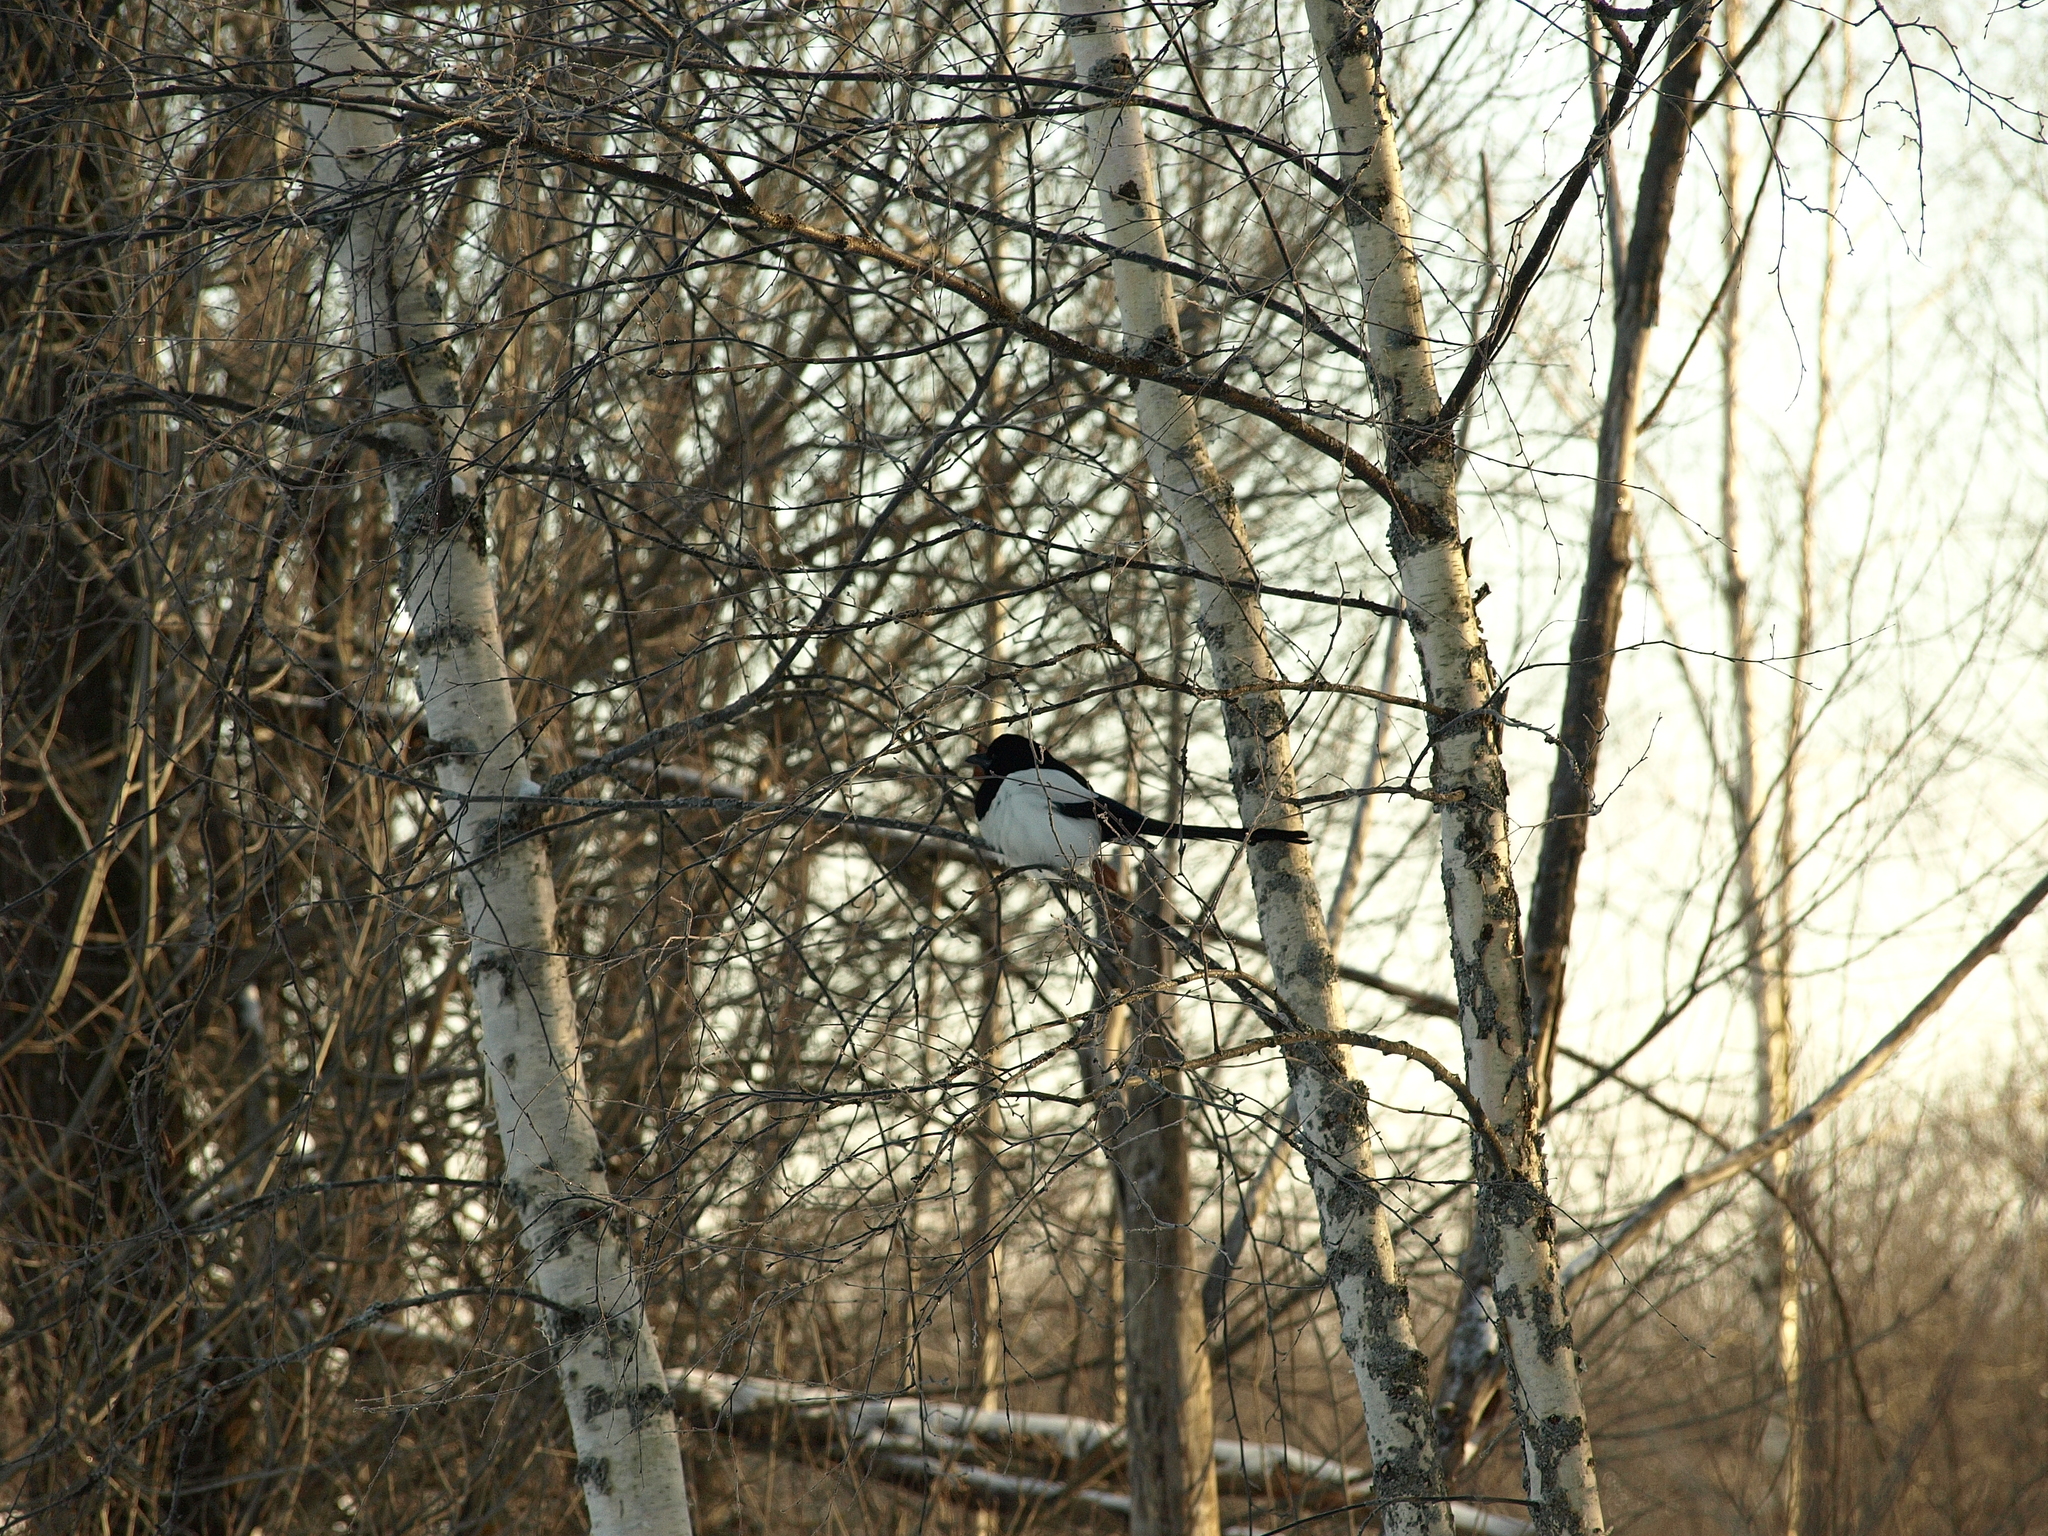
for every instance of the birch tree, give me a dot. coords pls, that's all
(1329, 1100)
(1465, 1385)
(1515, 1228)
(812, 393)
(1769, 991)
(612, 1382)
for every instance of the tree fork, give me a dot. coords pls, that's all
(1372, 1298)
(1473, 1371)
(1513, 1215)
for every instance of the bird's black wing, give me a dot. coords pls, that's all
(1116, 818)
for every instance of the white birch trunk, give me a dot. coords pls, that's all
(1372, 1299)
(1252, 1203)
(628, 1459)
(1479, 888)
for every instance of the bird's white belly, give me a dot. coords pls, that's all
(1024, 829)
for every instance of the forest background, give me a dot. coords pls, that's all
(757, 405)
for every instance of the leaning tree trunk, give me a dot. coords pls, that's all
(1513, 1215)
(1372, 1299)
(1259, 1190)
(628, 1459)
(1554, 896)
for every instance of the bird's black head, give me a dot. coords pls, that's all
(1008, 754)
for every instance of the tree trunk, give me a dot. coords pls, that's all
(1777, 1234)
(984, 1242)
(1372, 1299)
(1515, 1226)
(628, 1460)
(1167, 1405)
(1473, 1368)
(1554, 895)
(1255, 1195)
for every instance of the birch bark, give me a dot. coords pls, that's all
(1372, 1299)
(1473, 1366)
(1513, 1218)
(1256, 1194)
(628, 1459)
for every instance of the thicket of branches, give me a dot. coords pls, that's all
(795, 402)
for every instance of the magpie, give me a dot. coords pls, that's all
(1036, 810)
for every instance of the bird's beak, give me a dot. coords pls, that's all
(977, 760)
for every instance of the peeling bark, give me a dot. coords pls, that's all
(1473, 1371)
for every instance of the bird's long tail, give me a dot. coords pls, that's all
(1222, 834)
(1119, 821)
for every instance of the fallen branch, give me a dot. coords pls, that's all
(939, 1446)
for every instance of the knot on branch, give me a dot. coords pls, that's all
(496, 834)
(1162, 348)
(436, 509)
(329, 217)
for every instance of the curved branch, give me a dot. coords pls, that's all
(1640, 1222)
(751, 211)
(1415, 1053)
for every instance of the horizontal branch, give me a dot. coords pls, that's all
(1335, 797)
(594, 806)
(1163, 568)
(939, 1445)
(1263, 296)
(1144, 679)
(1010, 81)
(1433, 1004)
(742, 207)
